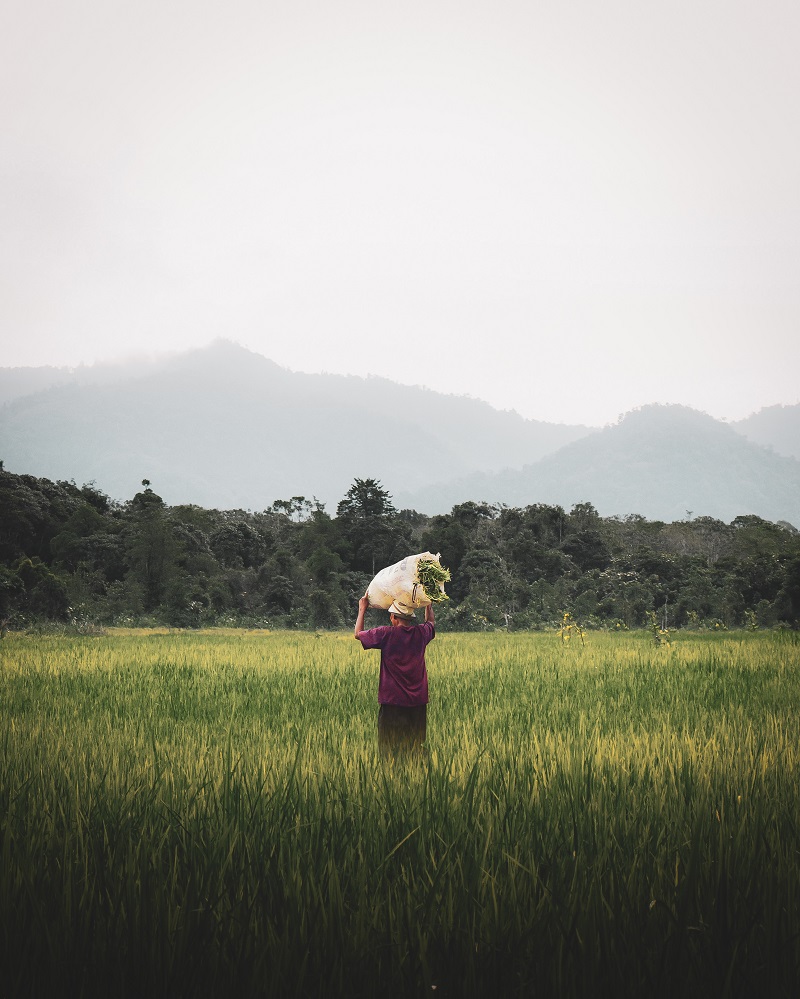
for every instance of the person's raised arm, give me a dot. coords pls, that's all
(429, 615)
(363, 605)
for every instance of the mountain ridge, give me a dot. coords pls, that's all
(777, 427)
(235, 409)
(225, 427)
(661, 461)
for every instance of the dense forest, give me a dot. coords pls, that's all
(71, 554)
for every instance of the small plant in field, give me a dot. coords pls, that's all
(751, 620)
(569, 629)
(660, 635)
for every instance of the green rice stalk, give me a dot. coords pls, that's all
(430, 574)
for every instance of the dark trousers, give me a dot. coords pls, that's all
(402, 729)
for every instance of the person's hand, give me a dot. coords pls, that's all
(363, 605)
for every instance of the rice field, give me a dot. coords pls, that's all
(206, 814)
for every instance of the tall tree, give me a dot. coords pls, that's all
(151, 547)
(371, 526)
(366, 499)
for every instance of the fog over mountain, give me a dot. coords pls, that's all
(224, 427)
(664, 462)
(777, 427)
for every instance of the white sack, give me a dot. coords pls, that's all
(398, 584)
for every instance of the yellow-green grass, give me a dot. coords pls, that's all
(206, 814)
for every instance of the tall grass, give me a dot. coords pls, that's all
(206, 814)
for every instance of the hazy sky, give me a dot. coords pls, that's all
(568, 208)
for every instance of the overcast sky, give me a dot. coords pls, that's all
(568, 208)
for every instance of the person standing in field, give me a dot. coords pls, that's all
(403, 681)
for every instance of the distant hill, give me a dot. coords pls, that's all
(659, 461)
(18, 382)
(777, 427)
(224, 427)
(15, 383)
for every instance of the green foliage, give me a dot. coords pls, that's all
(376, 536)
(33, 511)
(431, 575)
(236, 545)
(33, 590)
(366, 500)
(587, 549)
(788, 599)
(12, 596)
(151, 548)
(324, 610)
(293, 564)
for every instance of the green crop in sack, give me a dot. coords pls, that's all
(415, 581)
(430, 574)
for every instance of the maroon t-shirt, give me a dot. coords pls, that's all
(404, 679)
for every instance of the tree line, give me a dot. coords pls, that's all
(70, 553)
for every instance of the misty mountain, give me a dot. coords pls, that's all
(777, 427)
(18, 382)
(658, 461)
(224, 427)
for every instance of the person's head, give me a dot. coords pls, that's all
(400, 614)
